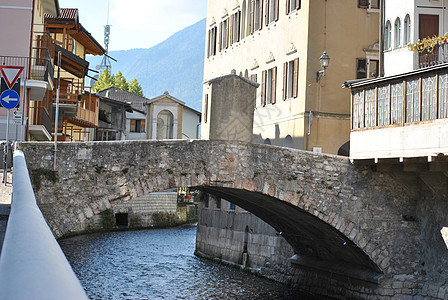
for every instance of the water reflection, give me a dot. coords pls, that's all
(159, 264)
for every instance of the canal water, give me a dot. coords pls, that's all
(160, 264)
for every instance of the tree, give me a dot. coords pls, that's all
(104, 81)
(135, 87)
(120, 81)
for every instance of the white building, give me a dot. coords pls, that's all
(406, 22)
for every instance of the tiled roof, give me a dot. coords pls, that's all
(65, 14)
(137, 102)
(68, 13)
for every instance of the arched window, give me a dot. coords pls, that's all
(287, 142)
(407, 30)
(397, 33)
(387, 36)
(246, 74)
(267, 141)
(165, 124)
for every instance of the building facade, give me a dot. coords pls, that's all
(403, 115)
(169, 118)
(406, 22)
(27, 45)
(37, 32)
(278, 44)
(135, 119)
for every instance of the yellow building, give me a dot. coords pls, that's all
(279, 43)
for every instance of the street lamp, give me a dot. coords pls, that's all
(324, 62)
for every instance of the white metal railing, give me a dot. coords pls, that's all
(32, 265)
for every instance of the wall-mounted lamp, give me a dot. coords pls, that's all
(324, 62)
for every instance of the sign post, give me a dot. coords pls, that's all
(9, 98)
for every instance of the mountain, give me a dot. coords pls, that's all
(175, 65)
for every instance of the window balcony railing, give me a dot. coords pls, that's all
(429, 58)
(40, 116)
(419, 96)
(34, 68)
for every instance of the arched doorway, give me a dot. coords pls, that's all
(165, 124)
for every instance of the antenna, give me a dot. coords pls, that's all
(105, 63)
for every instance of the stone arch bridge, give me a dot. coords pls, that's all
(334, 214)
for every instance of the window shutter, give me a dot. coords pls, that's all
(238, 26)
(361, 68)
(287, 6)
(285, 80)
(251, 20)
(215, 35)
(206, 108)
(142, 126)
(363, 3)
(260, 16)
(232, 17)
(274, 85)
(276, 10)
(209, 43)
(253, 77)
(266, 16)
(220, 37)
(133, 126)
(227, 33)
(263, 88)
(295, 80)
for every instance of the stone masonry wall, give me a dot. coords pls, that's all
(354, 212)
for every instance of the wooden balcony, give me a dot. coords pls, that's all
(87, 112)
(402, 116)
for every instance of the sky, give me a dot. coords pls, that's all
(137, 23)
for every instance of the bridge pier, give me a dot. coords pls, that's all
(327, 209)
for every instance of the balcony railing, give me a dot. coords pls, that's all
(419, 96)
(41, 117)
(438, 55)
(35, 68)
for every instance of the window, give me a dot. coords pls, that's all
(165, 124)
(268, 86)
(290, 79)
(374, 68)
(292, 5)
(224, 35)
(397, 33)
(212, 41)
(387, 36)
(407, 30)
(205, 200)
(235, 27)
(137, 125)
(256, 15)
(271, 11)
(230, 206)
(361, 68)
(369, 4)
(253, 77)
(217, 202)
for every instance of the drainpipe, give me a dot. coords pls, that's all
(381, 37)
(197, 130)
(310, 122)
(56, 121)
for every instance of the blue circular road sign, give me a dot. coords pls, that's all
(9, 99)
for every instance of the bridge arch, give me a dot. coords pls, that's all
(315, 200)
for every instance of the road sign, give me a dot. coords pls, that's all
(11, 74)
(17, 115)
(9, 99)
